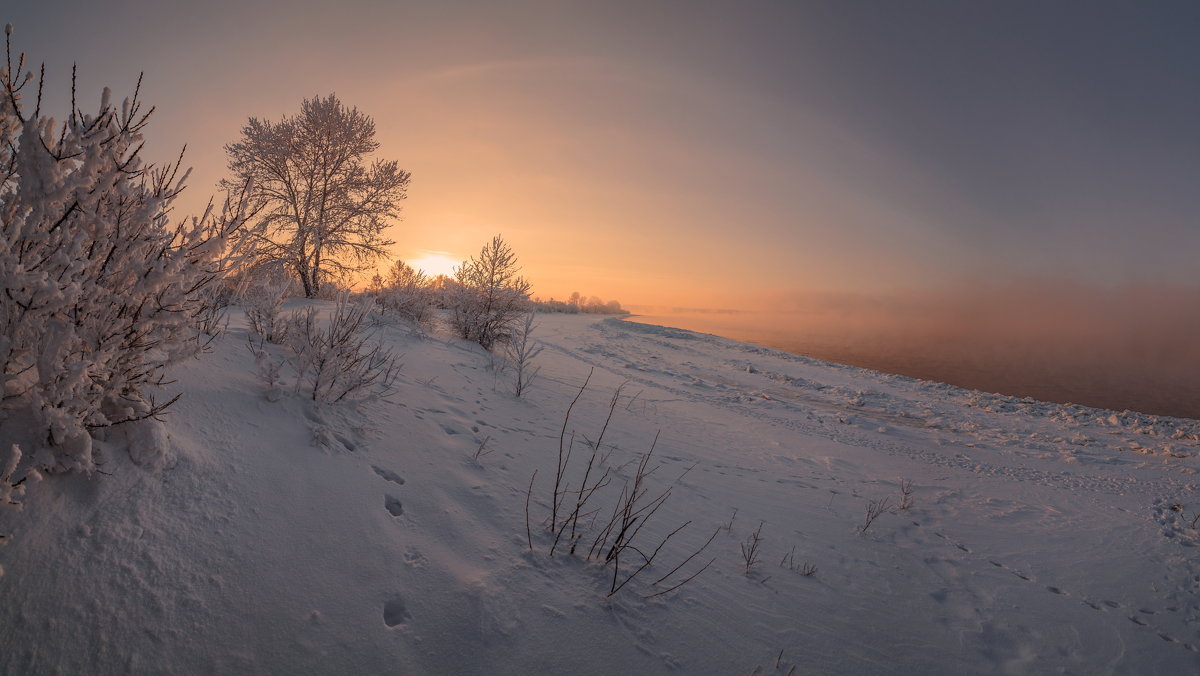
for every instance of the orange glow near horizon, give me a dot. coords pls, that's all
(639, 232)
(434, 263)
(641, 182)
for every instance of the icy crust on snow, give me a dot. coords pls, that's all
(284, 537)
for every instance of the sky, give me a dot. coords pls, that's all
(728, 155)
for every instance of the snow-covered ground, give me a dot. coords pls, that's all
(287, 538)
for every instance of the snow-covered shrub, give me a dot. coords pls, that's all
(254, 270)
(100, 292)
(211, 319)
(268, 367)
(331, 288)
(336, 360)
(553, 305)
(488, 297)
(404, 291)
(263, 303)
(11, 488)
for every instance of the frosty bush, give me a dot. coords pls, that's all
(263, 303)
(405, 292)
(100, 292)
(336, 361)
(10, 488)
(520, 351)
(488, 297)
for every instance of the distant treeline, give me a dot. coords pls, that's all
(577, 304)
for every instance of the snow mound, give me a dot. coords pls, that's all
(149, 443)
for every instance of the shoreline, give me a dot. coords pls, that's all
(1038, 377)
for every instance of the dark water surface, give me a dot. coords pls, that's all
(1134, 374)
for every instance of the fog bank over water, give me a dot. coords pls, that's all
(1133, 347)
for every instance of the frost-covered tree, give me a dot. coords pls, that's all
(488, 297)
(322, 209)
(521, 350)
(99, 291)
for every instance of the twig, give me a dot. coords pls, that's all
(729, 526)
(479, 452)
(750, 548)
(561, 438)
(685, 561)
(648, 560)
(874, 509)
(528, 535)
(686, 580)
(906, 492)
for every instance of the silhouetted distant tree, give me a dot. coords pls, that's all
(575, 306)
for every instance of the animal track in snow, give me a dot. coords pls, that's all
(1175, 523)
(1102, 606)
(414, 558)
(956, 544)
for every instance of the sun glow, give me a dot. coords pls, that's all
(434, 263)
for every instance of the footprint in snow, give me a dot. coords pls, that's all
(394, 612)
(1102, 606)
(393, 505)
(388, 475)
(346, 442)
